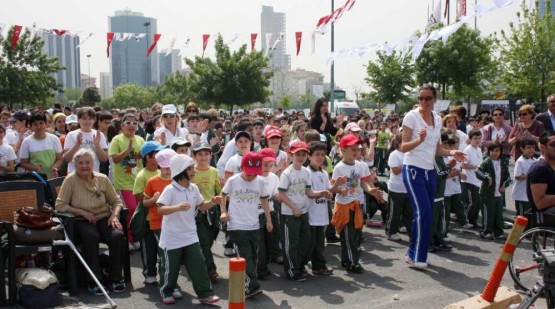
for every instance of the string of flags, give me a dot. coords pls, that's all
(412, 46)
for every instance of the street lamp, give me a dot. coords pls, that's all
(89, 65)
(147, 30)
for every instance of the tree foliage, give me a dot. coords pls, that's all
(391, 76)
(71, 94)
(176, 89)
(461, 64)
(127, 95)
(26, 72)
(527, 55)
(89, 97)
(234, 78)
(285, 101)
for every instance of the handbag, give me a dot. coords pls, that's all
(35, 218)
(29, 236)
(38, 288)
(138, 225)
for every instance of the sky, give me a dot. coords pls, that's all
(369, 21)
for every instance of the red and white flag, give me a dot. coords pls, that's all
(15, 35)
(461, 8)
(154, 42)
(253, 40)
(205, 38)
(109, 38)
(298, 38)
(59, 31)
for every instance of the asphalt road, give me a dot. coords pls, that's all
(386, 283)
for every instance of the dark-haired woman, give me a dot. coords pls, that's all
(421, 142)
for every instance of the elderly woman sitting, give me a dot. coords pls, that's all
(91, 197)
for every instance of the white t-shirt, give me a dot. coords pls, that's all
(495, 133)
(463, 140)
(294, 182)
(318, 207)
(180, 132)
(6, 153)
(282, 155)
(229, 151)
(88, 142)
(497, 169)
(272, 183)
(522, 165)
(475, 157)
(395, 183)
(179, 229)
(423, 155)
(453, 185)
(233, 165)
(244, 200)
(356, 173)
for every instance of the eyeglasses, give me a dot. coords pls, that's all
(192, 111)
(169, 116)
(523, 114)
(130, 123)
(497, 115)
(425, 98)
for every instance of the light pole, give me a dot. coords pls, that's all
(332, 78)
(89, 65)
(147, 28)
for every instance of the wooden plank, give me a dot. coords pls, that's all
(504, 297)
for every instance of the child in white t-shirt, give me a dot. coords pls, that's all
(246, 191)
(522, 165)
(7, 154)
(400, 210)
(179, 243)
(453, 190)
(471, 185)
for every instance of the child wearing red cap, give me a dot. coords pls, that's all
(294, 191)
(347, 214)
(246, 192)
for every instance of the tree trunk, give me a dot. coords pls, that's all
(231, 110)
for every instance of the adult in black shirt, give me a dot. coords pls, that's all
(540, 182)
(321, 120)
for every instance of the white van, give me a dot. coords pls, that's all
(347, 107)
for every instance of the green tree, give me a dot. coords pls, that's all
(306, 100)
(71, 94)
(25, 72)
(462, 64)
(176, 89)
(127, 95)
(526, 55)
(89, 97)
(235, 78)
(391, 76)
(285, 101)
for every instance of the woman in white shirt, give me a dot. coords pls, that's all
(170, 126)
(420, 143)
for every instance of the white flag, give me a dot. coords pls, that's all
(268, 41)
(313, 39)
(169, 50)
(85, 40)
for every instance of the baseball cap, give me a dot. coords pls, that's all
(71, 119)
(251, 164)
(243, 134)
(298, 146)
(349, 140)
(201, 146)
(351, 126)
(164, 156)
(179, 163)
(169, 109)
(149, 147)
(180, 141)
(19, 115)
(273, 131)
(267, 155)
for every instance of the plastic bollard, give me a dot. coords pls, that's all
(504, 258)
(237, 267)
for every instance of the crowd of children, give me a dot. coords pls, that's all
(279, 190)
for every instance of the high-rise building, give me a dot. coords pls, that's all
(105, 85)
(169, 63)
(87, 81)
(64, 48)
(128, 61)
(280, 62)
(543, 6)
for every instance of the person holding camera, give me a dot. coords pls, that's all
(540, 183)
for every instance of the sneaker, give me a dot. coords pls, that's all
(476, 226)
(135, 245)
(117, 287)
(323, 271)
(374, 223)
(95, 289)
(444, 247)
(229, 252)
(131, 248)
(150, 280)
(209, 300)
(432, 248)
(402, 229)
(297, 278)
(507, 225)
(486, 235)
(176, 294)
(394, 237)
(413, 264)
(168, 299)
(501, 237)
(253, 293)
(447, 239)
(356, 268)
(279, 259)
(467, 226)
(333, 240)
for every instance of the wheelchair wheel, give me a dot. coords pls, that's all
(524, 270)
